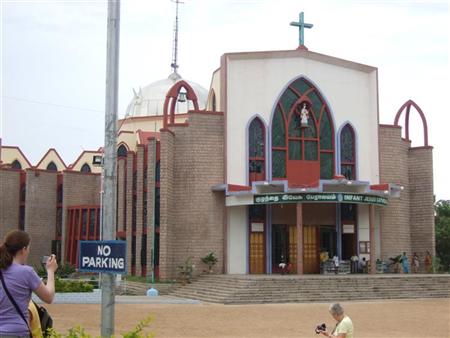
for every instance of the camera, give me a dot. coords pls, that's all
(320, 328)
(44, 259)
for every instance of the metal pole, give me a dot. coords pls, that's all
(110, 159)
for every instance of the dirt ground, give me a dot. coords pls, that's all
(377, 319)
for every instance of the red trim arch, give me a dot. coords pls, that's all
(407, 107)
(171, 99)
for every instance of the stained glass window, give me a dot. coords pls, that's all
(348, 163)
(295, 149)
(316, 104)
(287, 100)
(278, 130)
(326, 166)
(347, 144)
(313, 143)
(279, 164)
(256, 138)
(295, 128)
(311, 150)
(326, 133)
(301, 86)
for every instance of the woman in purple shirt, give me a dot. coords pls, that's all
(21, 280)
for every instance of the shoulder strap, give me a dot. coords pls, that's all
(13, 302)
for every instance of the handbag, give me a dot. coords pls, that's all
(44, 317)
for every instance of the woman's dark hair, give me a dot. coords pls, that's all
(15, 241)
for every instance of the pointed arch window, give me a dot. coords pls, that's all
(52, 166)
(16, 165)
(85, 168)
(302, 148)
(122, 151)
(256, 151)
(347, 155)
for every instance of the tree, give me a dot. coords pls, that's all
(442, 226)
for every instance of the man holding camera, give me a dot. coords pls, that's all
(344, 325)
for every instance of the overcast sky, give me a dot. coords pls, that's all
(53, 59)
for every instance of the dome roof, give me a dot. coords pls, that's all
(149, 101)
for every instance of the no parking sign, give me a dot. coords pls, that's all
(103, 256)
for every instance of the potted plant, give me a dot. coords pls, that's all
(210, 260)
(185, 271)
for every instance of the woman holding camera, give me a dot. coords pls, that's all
(20, 280)
(344, 325)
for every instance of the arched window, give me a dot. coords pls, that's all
(348, 158)
(256, 151)
(85, 168)
(52, 166)
(16, 165)
(302, 136)
(122, 151)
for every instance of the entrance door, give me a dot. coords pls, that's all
(310, 249)
(257, 261)
(284, 247)
(280, 246)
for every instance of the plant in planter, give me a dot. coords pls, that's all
(210, 260)
(185, 271)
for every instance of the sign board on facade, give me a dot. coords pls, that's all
(103, 256)
(348, 228)
(257, 227)
(319, 198)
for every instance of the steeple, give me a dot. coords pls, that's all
(174, 64)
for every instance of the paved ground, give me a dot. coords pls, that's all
(427, 318)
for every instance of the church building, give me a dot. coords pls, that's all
(281, 161)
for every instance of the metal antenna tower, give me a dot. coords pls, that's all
(174, 64)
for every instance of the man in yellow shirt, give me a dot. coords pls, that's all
(344, 325)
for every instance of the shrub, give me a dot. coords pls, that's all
(210, 260)
(62, 285)
(79, 332)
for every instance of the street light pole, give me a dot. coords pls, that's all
(110, 159)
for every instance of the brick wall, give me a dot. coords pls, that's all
(9, 201)
(422, 201)
(191, 214)
(78, 189)
(129, 206)
(151, 166)
(40, 212)
(121, 189)
(166, 265)
(139, 206)
(394, 168)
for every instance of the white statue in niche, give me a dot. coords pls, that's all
(304, 115)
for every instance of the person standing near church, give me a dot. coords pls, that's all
(21, 280)
(415, 263)
(428, 262)
(405, 263)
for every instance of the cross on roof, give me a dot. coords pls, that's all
(301, 26)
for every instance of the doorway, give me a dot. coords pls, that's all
(284, 247)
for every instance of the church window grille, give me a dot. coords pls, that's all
(291, 142)
(256, 150)
(348, 162)
(85, 168)
(16, 165)
(52, 166)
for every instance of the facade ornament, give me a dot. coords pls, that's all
(304, 115)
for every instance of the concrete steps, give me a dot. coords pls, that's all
(247, 289)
